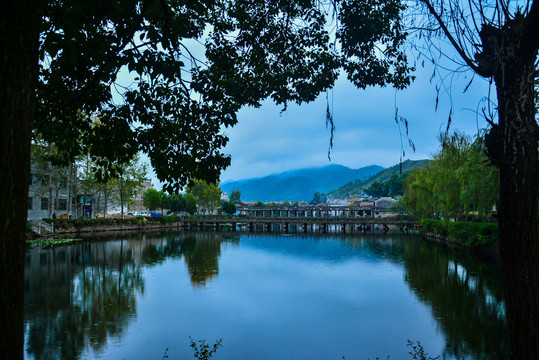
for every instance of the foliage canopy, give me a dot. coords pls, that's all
(460, 182)
(165, 77)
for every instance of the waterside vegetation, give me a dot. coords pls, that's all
(475, 236)
(460, 183)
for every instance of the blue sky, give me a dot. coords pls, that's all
(266, 141)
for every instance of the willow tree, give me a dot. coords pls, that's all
(499, 40)
(458, 182)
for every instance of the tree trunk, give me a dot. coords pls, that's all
(121, 197)
(69, 187)
(19, 31)
(105, 209)
(517, 157)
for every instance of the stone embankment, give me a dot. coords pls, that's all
(114, 227)
(56, 227)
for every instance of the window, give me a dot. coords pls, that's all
(44, 204)
(30, 203)
(62, 204)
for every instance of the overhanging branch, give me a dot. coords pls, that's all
(451, 38)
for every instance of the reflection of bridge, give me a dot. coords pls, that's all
(306, 218)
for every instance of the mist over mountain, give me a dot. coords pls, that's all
(298, 185)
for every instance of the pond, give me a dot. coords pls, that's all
(267, 296)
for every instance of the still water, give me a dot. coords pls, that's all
(268, 296)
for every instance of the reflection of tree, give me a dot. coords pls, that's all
(78, 296)
(465, 297)
(464, 293)
(201, 253)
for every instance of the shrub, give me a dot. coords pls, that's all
(469, 234)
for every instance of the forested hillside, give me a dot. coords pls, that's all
(358, 186)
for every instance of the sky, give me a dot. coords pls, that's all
(267, 141)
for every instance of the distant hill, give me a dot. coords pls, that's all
(298, 185)
(357, 186)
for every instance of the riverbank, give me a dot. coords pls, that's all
(478, 237)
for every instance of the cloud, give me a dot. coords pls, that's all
(267, 141)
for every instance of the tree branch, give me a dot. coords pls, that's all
(451, 39)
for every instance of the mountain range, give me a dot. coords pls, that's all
(298, 185)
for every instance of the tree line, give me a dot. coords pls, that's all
(200, 197)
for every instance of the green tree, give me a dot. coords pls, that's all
(190, 203)
(128, 182)
(391, 187)
(152, 199)
(378, 189)
(419, 197)
(175, 202)
(319, 198)
(228, 207)
(235, 196)
(459, 182)
(207, 195)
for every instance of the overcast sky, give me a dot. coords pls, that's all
(266, 141)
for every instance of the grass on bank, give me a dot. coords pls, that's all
(468, 234)
(52, 241)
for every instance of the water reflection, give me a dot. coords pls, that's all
(200, 251)
(80, 297)
(466, 298)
